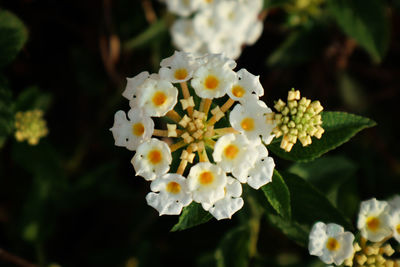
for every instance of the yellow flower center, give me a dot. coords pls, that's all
(154, 156)
(173, 187)
(159, 98)
(211, 82)
(180, 74)
(238, 91)
(398, 229)
(332, 244)
(247, 124)
(373, 223)
(206, 177)
(138, 129)
(231, 151)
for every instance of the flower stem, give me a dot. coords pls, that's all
(176, 146)
(186, 95)
(173, 115)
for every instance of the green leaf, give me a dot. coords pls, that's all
(191, 216)
(33, 98)
(339, 128)
(13, 36)
(147, 36)
(275, 3)
(234, 248)
(278, 195)
(6, 112)
(365, 21)
(293, 230)
(299, 47)
(309, 205)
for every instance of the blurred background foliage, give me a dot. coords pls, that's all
(74, 199)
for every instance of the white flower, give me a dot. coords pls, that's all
(131, 89)
(214, 78)
(374, 220)
(184, 37)
(236, 154)
(206, 24)
(395, 223)
(253, 33)
(173, 194)
(249, 119)
(330, 243)
(224, 41)
(247, 86)
(229, 204)
(394, 202)
(157, 97)
(177, 68)
(206, 181)
(131, 133)
(183, 7)
(152, 159)
(263, 169)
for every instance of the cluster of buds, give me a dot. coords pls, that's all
(30, 126)
(213, 157)
(298, 119)
(378, 222)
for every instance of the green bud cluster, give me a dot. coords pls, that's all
(30, 126)
(297, 119)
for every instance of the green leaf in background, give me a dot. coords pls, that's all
(309, 205)
(33, 98)
(299, 47)
(13, 36)
(191, 216)
(275, 3)
(339, 128)
(278, 195)
(234, 248)
(6, 112)
(365, 21)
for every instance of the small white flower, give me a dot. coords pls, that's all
(173, 194)
(206, 24)
(152, 159)
(330, 243)
(157, 97)
(183, 7)
(184, 37)
(224, 41)
(253, 33)
(229, 204)
(206, 181)
(131, 133)
(395, 223)
(374, 220)
(247, 86)
(236, 154)
(263, 169)
(249, 119)
(214, 78)
(131, 89)
(394, 202)
(177, 68)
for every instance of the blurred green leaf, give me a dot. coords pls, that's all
(6, 111)
(33, 98)
(275, 3)
(278, 195)
(309, 205)
(365, 21)
(293, 230)
(191, 216)
(147, 36)
(339, 128)
(13, 35)
(299, 47)
(234, 248)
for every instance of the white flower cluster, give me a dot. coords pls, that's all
(378, 221)
(217, 26)
(236, 144)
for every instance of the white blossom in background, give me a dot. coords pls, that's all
(213, 152)
(330, 243)
(374, 220)
(394, 202)
(217, 26)
(170, 194)
(131, 133)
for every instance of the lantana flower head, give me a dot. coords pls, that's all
(30, 126)
(330, 243)
(207, 146)
(374, 220)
